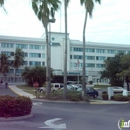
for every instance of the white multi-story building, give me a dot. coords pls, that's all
(35, 54)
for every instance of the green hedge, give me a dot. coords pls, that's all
(105, 96)
(14, 106)
(73, 95)
(121, 98)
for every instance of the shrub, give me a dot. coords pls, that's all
(104, 92)
(121, 98)
(57, 95)
(14, 106)
(90, 82)
(105, 96)
(74, 95)
(112, 98)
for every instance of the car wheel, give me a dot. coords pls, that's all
(95, 96)
(41, 91)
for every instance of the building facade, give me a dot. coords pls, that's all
(35, 54)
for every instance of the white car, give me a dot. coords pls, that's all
(76, 86)
(54, 87)
(118, 89)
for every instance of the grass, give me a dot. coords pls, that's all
(27, 89)
(101, 86)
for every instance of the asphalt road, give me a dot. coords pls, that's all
(4, 91)
(72, 116)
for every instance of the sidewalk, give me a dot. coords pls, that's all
(20, 92)
(94, 101)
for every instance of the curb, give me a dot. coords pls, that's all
(20, 94)
(16, 118)
(109, 102)
(59, 101)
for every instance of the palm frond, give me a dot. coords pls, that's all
(1, 2)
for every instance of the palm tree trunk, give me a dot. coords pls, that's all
(65, 56)
(84, 94)
(15, 74)
(48, 77)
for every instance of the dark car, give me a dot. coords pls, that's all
(90, 91)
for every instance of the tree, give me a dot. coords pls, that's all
(35, 74)
(1, 3)
(65, 57)
(112, 67)
(125, 71)
(43, 9)
(89, 6)
(18, 59)
(4, 64)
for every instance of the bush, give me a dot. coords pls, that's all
(14, 106)
(57, 95)
(104, 92)
(105, 96)
(74, 95)
(90, 82)
(121, 98)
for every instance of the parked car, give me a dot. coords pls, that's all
(76, 86)
(118, 89)
(54, 87)
(90, 91)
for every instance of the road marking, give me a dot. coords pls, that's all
(37, 103)
(50, 124)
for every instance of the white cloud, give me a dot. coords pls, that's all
(110, 22)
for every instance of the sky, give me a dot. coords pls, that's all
(110, 22)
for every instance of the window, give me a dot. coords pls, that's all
(19, 70)
(100, 50)
(22, 46)
(33, 63)
(99, 65)
(111, 51)
(90, 65)
(121, 51)
(70, 56)
(10, 62)
(25, 62)
(90, 57)
(100, 58)
(11, 71)
(43, 47)
(25, 54)
(43, 55)
(90, 50)
(36, 47)
(7, 45)
(78, 49)
(71, 48)
(6, 52)
(72, 64)
(43, 63)
(36, 55)
(78, 57)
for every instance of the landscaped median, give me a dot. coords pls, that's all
(75, 96)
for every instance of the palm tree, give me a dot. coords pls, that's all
(4, 65)
(65, 57)
(1, 2)
(18, 59)
(43, 9)
(89, 6)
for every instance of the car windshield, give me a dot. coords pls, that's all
(89, 89)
